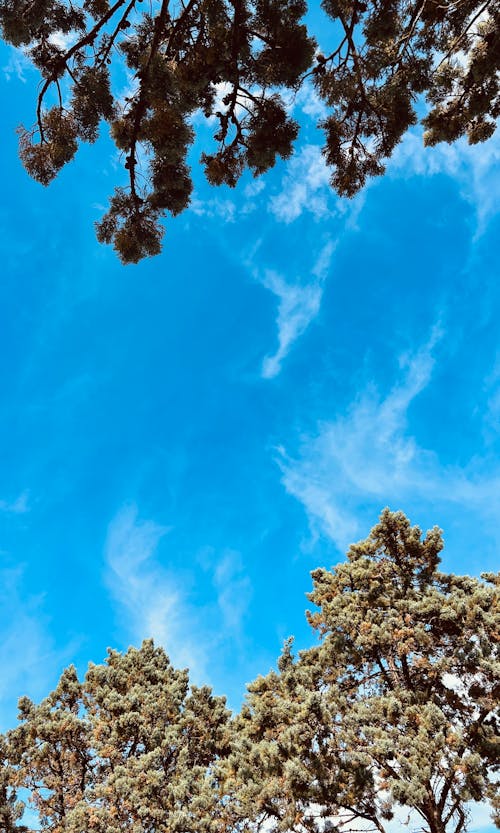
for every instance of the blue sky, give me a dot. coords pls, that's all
(182, 441)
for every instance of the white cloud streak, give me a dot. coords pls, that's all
(298, 305)
(476, 168)
(152, 602)
(30, 663)
(368, 455)
(146, 593)
(62, 40)
(233, 590)
(305, 187)
(19, 506)
(223, 209)
(17, 66)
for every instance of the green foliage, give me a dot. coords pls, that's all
(129, 749)
(387, 53)
(11, 810)
(398, 705)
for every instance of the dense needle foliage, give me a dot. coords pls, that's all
(396, 709)
(398, 705)
(128, 750)
(232, 61)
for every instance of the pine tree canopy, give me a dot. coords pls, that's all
(395, 709)
(397, 706)
(235, 64)
(129, 750)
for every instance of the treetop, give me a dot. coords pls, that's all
(234, 63)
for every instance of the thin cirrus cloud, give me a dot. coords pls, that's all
(19, 506)
(151, 602)
(146, 595)
(29, 658)
(17, 65)
(233, 588)
(298, 305)
(305, 187)
(475, 168)
(368, 456)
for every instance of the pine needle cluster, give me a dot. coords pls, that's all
(396, 708)
(237, 62)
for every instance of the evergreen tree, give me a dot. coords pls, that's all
(129, 750)
(397, 707)
(10, 809)
(183, 58)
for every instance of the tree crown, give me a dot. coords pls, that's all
(232, 61)
(397, 706)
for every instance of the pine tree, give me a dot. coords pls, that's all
(130, 749)
(386, 55)
(11, 809)
(397, 707)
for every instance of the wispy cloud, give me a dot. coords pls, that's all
(298, 305)
(62, 40)
(305, 187)
(307, 100)
(29, 660)
(254, 187)
(17, 65)
(368, 455)
(224, 209)
(476, 168)
(153, 603)
(146, 593)
(19, 506)
(234, 590)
